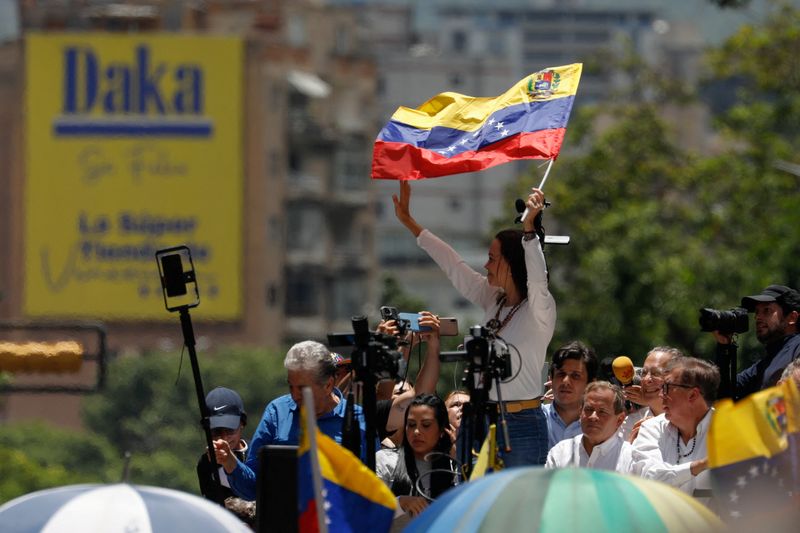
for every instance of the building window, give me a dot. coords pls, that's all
(302, 292)
(460, 42)
(303, 228)
(352, 165)
(296, 31)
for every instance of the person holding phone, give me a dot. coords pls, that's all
(516, 301)
(394, 410)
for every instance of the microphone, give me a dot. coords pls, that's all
(623, 370)
(520, 206)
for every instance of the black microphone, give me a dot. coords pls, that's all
(519, 205)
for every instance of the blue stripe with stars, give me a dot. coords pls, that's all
(520, 118)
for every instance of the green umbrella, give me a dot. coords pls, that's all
(569, 499)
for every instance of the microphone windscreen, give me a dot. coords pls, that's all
(519, 205)
(622, 367)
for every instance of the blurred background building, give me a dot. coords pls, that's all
(319, 80)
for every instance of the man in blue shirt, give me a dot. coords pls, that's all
(573, 367)
(308, 364)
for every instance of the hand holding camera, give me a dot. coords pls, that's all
(724, 324)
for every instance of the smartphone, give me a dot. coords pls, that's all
(413, 322)
(178, 279)
(448, 327)
(388, 313)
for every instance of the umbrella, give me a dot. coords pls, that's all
(114, 508)
(569, 499)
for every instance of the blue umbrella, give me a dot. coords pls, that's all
(119, 508)
(569, 499)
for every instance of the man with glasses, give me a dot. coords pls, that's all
(671, 447)
(648, 393)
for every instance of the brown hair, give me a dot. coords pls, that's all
(619, 397)
(697, 373)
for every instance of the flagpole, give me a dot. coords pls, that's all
(316, 472)
(541, 186)
(546, 173)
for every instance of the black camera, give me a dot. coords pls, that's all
(732, 321)
(483, 353)
(374, 354)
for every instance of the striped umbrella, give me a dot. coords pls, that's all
(570, 499)
(119, 508)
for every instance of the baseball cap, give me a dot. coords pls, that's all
(774, 293)
(225, 408)
(339, 360)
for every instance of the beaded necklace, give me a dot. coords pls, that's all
(678, 446)
(495, 323)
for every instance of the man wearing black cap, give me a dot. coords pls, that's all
(227, 419)
(776, 313)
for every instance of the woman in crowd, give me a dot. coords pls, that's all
(518, 307)
(421, 466)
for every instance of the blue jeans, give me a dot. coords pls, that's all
(527, 431)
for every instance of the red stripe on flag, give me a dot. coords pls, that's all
(392, 160)
(307, 522)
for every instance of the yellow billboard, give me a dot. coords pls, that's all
(134, 144)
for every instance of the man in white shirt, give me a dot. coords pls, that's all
(672, 446)
(601, 445)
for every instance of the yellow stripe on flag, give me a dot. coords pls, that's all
(468, 113)
(487, 457)
(756, 426)
(339, 465)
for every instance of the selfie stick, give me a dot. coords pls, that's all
(173, 283)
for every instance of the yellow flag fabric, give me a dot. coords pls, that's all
(487, 457)
(757, 426)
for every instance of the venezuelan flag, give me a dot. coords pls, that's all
(754, 457)
(453, 133)
(348, 496)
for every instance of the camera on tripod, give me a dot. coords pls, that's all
(374, 354)
(728, 322)
(482, 352)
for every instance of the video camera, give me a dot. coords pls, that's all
(483, 353)
(732, 321)
(374, 354)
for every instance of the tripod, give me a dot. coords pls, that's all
(484, 367)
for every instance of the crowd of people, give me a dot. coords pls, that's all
(655, 428)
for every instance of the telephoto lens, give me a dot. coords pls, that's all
(728, 322)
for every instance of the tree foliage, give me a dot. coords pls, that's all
(147, 409)
(659, 231)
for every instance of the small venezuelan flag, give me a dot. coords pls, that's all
(336, 492)
(754, 457)
(453, 133)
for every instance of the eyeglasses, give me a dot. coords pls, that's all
(655, 372)
(666, 385)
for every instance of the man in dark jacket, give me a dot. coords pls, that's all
(776, 314)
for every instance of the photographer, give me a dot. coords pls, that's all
(394, 410)
(518, 307)
(776, 312)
